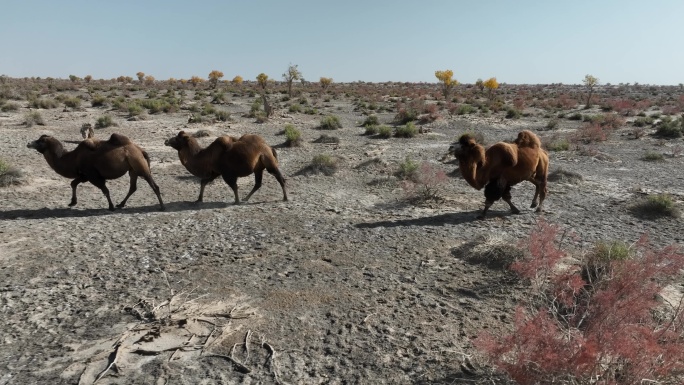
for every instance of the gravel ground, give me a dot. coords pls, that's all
(345, 283)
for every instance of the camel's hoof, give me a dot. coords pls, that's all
(480, 217)
(72, 204)
(163, 208)
(533, 205)
(538, 210)
(112, 208)
(515, 211)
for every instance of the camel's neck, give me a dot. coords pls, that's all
(470, 174)
(58, 159)
(473, 171)
(193, 148)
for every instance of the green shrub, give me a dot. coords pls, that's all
(310, 111)
(9, 175)
(33, 117)
(669, 128)
(575, 116)
(465, 109)
(372, 120)
(552, 124)
(372, 130)
(559, 145)
(222, 116)
(384, 131)
(513, 113)
(655, 206)
(104, 121)
(406, 131)
(43, 103)
(295, 108)
(293, 137)
(9, 106)
(196, 118)
(642, 121)
(324, 164)
(330, 122)
(72, 102)
(134, 109)
(98, 100)
(653, 156)
(407, 169)
(327, 139)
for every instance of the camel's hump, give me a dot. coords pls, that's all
(118, 140)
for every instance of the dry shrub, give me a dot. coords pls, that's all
(607, 327)
(494, 251)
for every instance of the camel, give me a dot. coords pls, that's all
(229, 158)
(503, 165)
(97, 161)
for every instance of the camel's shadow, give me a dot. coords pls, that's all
(66, 212)
(435, 220)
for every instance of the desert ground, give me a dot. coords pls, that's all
(353, 280)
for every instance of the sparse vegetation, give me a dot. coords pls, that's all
(655, 206)
(330, 122)
(293, 137)
(409, 130)
(10, 175)
(104, 121)
(653, 156)
(32, 118)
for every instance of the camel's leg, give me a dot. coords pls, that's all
(203, 184)
(231, 180)
(74, 184)
(133, 186)
(537, 190)
(507, 198)
(542, 195)
(100, 183)
(279, 176)
(258, 177)
(155, 188)
(488, 204)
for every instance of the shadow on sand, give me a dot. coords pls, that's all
(68, 212)
(436, 220)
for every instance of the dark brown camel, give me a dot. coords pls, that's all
(97, 161)
(230, 158)
(503, 165)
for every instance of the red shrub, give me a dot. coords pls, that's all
(610, 329)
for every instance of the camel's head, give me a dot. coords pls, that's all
(179, 141)
(42, 144)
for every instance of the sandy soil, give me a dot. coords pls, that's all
(345, 283)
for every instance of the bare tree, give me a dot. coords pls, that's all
(291, 75)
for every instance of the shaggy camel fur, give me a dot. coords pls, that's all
(230, 158)
(503, 165)
(96, 161)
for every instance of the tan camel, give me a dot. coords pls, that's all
(503, 165)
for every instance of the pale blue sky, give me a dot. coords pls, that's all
(517, 41)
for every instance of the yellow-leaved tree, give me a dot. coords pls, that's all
(590, 82)
(149, 80)
(237, 80)
(196, 80)
(214, 77)
(491, 84)
(447, 81)
(262, 81)
(141, 76)
(325, 83)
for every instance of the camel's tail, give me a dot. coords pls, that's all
(147, 157)
(275, 154)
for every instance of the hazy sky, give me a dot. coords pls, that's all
(517, 41)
